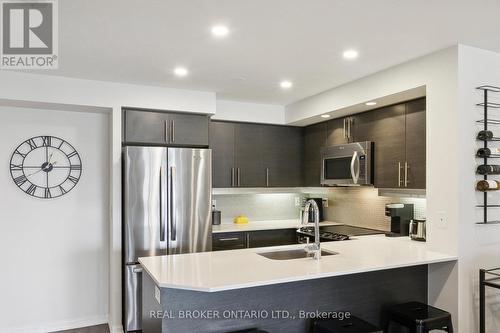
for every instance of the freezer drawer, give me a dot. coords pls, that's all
(133, 298)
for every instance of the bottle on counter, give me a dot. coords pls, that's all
(488, 169)
(488, 185)
(485, 135)
(487, 152)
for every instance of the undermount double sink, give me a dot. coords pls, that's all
(292, 254)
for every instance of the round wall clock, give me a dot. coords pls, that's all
(45, 167)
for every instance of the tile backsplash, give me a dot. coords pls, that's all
(361, 206)
(358, 206)
(258, 207)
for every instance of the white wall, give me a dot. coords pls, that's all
(250, 112)
(55, 252)
(479, 244)
(438, 72)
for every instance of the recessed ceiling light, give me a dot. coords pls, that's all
(350, 54)
(371, 103)
(220, 30)
(325, 116)
(181, 71)
(285, 84)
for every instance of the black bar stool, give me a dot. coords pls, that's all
(420, 318)
(250, 330)
(346, 325)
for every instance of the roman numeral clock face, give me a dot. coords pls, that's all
(45, 167)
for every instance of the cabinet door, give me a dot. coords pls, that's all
(188, 130)
(336, 131)
(386, 128)
(222, 145)
(282, 150)
(166, 128)
(250, 171)
(315, 139)
(146, 127)
(415, 143)
(272, 237)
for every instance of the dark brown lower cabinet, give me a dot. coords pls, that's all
(272, 237)
(229, 241)
(251, 239)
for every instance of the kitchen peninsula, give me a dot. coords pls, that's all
(363, 276)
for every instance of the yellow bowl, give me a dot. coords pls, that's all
(241, 219)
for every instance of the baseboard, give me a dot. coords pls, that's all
(115, 329)
(61, 325)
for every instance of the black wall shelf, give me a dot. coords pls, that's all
(486, 105)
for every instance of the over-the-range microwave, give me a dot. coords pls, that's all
(347, 164)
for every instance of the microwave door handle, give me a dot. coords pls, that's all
(355, 167)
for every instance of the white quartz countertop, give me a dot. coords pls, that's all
(264, 225)
(235, 269)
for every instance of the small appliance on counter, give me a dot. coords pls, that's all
(216, 216)
(418, 229)
(401, 215)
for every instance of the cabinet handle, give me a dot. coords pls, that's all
(166, 130)
(232, 177)
(229, 239)
(349, 129)
(172, 130)
(267, 177)
(238, 176)
(351, 122)
(399, 174)
(345, 133)
(248, 241)
(406, 174)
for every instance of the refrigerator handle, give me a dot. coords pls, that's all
(162, 222)
(173, 224)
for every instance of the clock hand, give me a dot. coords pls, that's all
(41, 169)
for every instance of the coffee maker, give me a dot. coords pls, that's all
(401, 215)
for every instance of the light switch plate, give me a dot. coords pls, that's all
(157, 294)
(442, 219)
(298, 202)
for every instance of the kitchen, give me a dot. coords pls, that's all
(254, 165)
(193, 183)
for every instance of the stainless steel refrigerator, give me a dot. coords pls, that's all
(167, 210)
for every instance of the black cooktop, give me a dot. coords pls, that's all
(337, 232)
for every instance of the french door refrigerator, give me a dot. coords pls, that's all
(166, 210)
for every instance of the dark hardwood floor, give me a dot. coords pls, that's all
(92, 329)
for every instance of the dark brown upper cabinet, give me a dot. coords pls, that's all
(415, 144)
(282, 153)
(398, 133)
(255, 155)
(386, 128)
(315, 137)
(165, 128)
(222, 142)
(249, 156)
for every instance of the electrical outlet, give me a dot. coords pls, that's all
(298, 202)
(442, 219)
(214, 203)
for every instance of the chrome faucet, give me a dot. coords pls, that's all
(312, 249)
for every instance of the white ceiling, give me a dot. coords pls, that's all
(142, 41)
